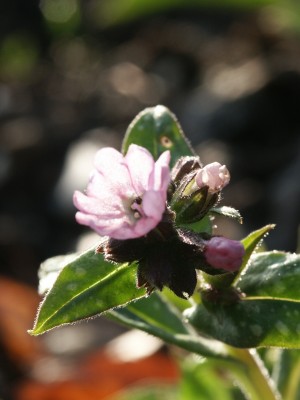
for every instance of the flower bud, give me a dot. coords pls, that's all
(223, 253)
(214, 175)
(183, 167)
(195, 189)
(190, 202)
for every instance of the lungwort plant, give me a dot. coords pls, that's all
(160, 268)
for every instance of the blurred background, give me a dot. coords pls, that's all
(73, 74)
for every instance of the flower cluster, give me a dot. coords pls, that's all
(196, 189)
(139, 205)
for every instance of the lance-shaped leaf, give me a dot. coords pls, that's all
(50, 269)
(272, 274)
(87, 286)
(251, 242)
(158, 130)
(250, 323)
(160, 318)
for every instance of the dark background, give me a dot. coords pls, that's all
(73, 74)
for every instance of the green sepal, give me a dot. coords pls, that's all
(202, 226)
(158, 130)
(190, 209)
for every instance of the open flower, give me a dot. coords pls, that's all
(214, 175)
(126, 195)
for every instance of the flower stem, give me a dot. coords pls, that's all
(255, 378)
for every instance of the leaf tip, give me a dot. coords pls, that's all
(34, 332)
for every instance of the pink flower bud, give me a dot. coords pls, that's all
(223, 253)
(214, 175)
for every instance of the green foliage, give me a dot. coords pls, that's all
(158, 130)
(259, 306)
(252, 242)
(280, 272)
(227, 212)
(269, 314)
(201, 380)
(87, 286)
(156, 316)
(250, 323)
(286, 374)
(204, 225)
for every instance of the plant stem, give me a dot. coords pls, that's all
(255, 378)
(293, 383)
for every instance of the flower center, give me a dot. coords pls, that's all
(136, 207)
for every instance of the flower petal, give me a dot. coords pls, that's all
(140, 165)
(143, 226)
(111, 166)
(114, 187)
(160, 176)
(104, 227)
(214, 175)
(154, 204)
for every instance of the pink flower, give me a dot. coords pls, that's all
(126, 195)
(224, 253)
(214, 175)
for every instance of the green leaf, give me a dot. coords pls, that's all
(157, 129)
(158, 317)
(202, 380)
(50, 269)
(87, 286)
(286, 374)
(272, 274)
(227, 212)
(155, 310)
(251, 243)
(250, 323)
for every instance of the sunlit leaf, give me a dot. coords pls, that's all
(250, 323)
(272, 274)
(50, 269)
(227, 212)
(157, 129)
(251, 242)
(156, 316)
(87, 286)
